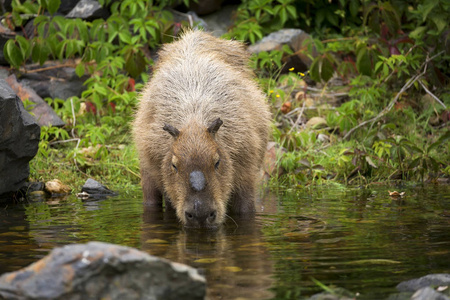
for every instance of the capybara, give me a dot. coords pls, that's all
(201, 130)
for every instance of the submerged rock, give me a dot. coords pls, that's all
(428, 293)
(102, 271)
(425, 281)
(337, 294)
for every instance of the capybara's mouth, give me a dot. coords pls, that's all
(210, 227)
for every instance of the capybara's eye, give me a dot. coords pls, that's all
(174, 168)
(217, 164)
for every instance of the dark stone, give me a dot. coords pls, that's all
(296, 39)
(88, 10)
(57, 82)
(96, 189)
(66, 6)
(43, 113)
(30, 187)
(6, 6)
(102, 271)
(19, 140)
(425, 281)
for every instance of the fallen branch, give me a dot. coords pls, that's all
(432, 95)
(407, 85)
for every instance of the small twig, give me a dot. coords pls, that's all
(74, 118)
(431, 94)
(298, 118)
(23, 70)
(64, 141)
(407, 85)
(232, 220)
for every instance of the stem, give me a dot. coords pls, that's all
(407, 85)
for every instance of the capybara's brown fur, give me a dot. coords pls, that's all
(201, 130)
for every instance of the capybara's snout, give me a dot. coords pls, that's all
(200, 215)
(197, 219)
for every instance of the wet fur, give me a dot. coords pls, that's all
(198, 79)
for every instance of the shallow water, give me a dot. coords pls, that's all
(358, 239)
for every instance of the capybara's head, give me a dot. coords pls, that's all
(197, 175)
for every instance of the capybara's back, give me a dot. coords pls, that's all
(200, 84)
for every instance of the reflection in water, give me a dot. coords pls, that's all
(358, 239)
(233, 258)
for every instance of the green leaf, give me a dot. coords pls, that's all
(24, 45)
(314, 70)
(13, 54)
(327, 69)
(134, 63)
(53, 5)
(418, 32)
(444, 138)
(354, 7)
(125, 37)
(79, 70)
(283, 15)
(292, 11)
(40, 51)
(363, 63)
(427, 7)
(439, 21)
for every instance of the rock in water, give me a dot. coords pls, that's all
(19, 140)
(102, 271)
(424, 281)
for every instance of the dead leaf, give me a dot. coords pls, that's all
(206, 260)
(316, 122)
(396, 194)
(233, 269)
(286, 107)
(55, 186)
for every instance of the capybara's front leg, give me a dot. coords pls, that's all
(152, 195)
(243, 200)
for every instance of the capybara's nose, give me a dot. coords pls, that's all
(200, 219)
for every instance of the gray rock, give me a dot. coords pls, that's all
(205, 7)
(102, 271)
(88, 10)
(67, 5)
(296, 39)
(60, 83)
(96, 189)
(428, 293)
(425, 281)
(338, 294)
(218, 23)
(19, 140)
(42, 112)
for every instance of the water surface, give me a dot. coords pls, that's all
(359, 239)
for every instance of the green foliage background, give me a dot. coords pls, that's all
(390, 57)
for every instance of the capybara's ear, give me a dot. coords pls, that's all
(215, 125)
(172, 130)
